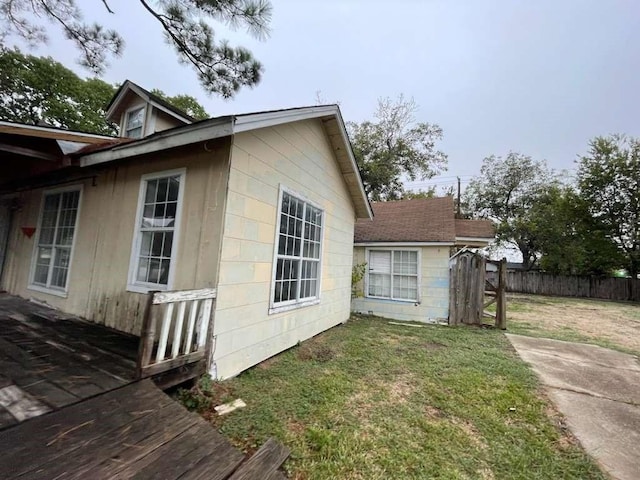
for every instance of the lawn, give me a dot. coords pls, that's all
(608, 324)
(371, 400)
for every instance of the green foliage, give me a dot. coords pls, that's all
(394, 146)
(186, 103)
(357, 274)
(505, 191)
(221, 68)
(609, 183)
(39, 89)
(569, 239)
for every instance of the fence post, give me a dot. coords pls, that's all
(501, 297)
(147, 335)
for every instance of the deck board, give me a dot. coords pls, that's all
(136, 431)
(58, 359)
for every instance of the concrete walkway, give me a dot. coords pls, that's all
(598, 391)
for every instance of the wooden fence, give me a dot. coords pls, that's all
(607, 288)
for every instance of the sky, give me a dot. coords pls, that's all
(538, 77)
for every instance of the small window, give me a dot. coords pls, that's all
(297, 263)
(56, 231)
(393, 274)
(134, 122)
(158, 218)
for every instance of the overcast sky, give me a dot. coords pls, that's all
(539, 77)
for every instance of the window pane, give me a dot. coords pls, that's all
(168, 244)
(145, 243)
(134, 118)
(405, 262)
(143, 270)
(134, 132)
(152, 188)
(174, 188)
(380, 261)
(40, 276)
(162, 191)
(405, 287)
(63, 257)
(379, 285)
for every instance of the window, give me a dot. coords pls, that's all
(393, 274)
(134, 122)
(297, 266)
(154, 245)
(56, 231)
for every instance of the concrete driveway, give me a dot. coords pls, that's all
(598, 391)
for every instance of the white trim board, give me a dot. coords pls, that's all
(403, 244)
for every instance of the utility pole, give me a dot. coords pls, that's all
(458, 209)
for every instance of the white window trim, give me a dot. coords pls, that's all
(58, 292)
(142, 287)
(294, 304)
(125, 118)
(392, 249)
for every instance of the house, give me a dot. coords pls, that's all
(406, 248)
(259, 206)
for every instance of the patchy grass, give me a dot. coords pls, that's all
(608, 324)
(370, 400)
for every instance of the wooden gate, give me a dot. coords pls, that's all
(176, 337)
(468, 288)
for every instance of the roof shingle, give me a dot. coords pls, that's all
(419, 220)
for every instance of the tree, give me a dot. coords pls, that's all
(571, 241)
(609, 182)
(505, 191)
(186, 103)
(39, 89)
(221, 68)
(393, 148)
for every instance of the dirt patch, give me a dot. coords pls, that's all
(471, 432)
(400, 389)
(433, 346)
(315, 351)
(267, 363)
(618, 323)
(433, 412)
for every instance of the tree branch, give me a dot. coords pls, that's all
(106, 5)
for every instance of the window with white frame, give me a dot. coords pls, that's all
(393, 274)
(133, 123)
(297, 263)
(156, 230)
(55, 239)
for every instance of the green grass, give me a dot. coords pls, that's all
(369, 400)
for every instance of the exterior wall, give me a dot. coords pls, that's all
(434, 290)
(297, 156)
(97, 284)
(161, 121)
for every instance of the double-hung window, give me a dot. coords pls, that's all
(56, 232)
(296, 277)
(393, 274)
(133, 123)
(157, 223)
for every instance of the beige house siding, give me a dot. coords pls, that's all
(296, 156)
(97, 284)
(434, 290)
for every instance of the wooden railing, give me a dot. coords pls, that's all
(175, 330)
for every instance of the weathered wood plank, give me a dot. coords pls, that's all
(217, 466)
(20, 404)
(177, 330)
(108, 454)
(175, 458)
(164, 333)
(183, 295)
(156, 368)
(147, 336)
(263, 463)
(191, 325)
(51, 436)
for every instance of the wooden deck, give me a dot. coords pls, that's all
(48, 360)
(71, 408)
(136, 431)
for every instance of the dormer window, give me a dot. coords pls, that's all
(133, 123)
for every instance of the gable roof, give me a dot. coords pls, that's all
(161, 104)
(224, 126)
(55, 133)
(424, 220)
(409, 221)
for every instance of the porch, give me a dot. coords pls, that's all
(49, 360)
